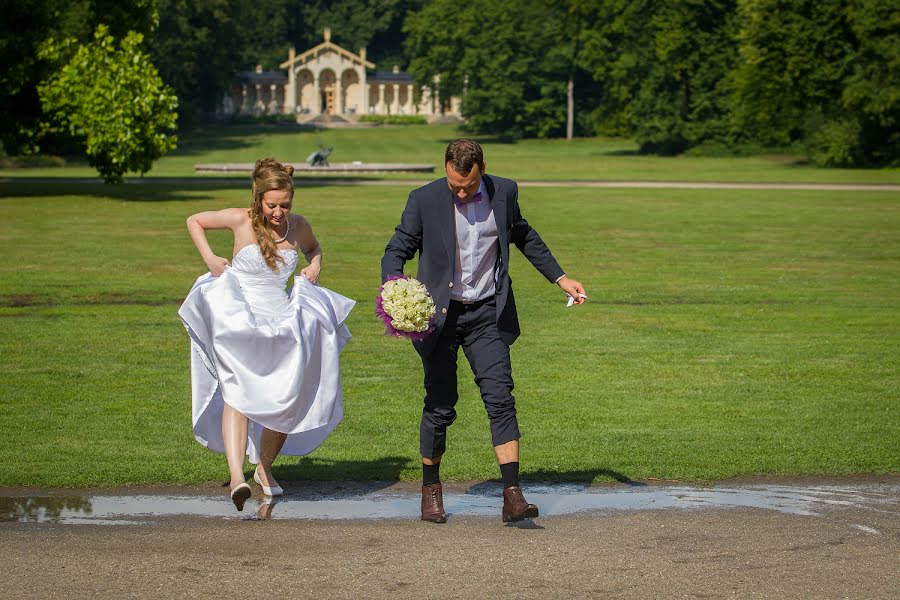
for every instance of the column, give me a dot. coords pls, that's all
(363, 92)
(290, 90)
(316, 106)
(438, 108)
(425, 100)
(244, 108)
(395, 105)
(338, 100)
(258, 105)
(379, 106)
(410, 104)
(273, 100)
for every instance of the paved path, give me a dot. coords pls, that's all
(246, 169)
(840, 548)
(304, 181)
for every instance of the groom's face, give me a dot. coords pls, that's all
(463, 186)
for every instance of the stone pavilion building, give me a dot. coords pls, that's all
(330, 83)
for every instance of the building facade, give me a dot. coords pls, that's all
(328, 82)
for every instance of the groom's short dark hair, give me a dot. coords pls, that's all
(464, 154)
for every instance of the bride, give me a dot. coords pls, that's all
(265, 370)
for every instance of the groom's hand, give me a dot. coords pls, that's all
(573, 288)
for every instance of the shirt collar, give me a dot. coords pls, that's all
(476, 198)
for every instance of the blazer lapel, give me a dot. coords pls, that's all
(499, 207)
(447, 224)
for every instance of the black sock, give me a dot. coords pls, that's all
(510, 473)
(431, 474)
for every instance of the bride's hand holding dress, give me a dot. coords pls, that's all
(217, 264)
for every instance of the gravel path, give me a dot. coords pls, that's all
(841, 549)
(351, 181)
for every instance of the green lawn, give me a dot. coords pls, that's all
(554, 160)
(727, 333)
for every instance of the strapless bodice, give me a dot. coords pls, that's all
(249, 260)
(262, 287)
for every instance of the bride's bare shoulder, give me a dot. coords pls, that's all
(238, 214)
(236, 217)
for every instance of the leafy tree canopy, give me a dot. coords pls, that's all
(825, 72)
(111, 97)
(23, 28)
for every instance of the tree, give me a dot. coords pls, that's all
(197, 49)
(504, 58)
(436, 50)
(354, 23)
(664, 70)
(24, 28)
(21, 31)
(872, 87)
(825, 73)
(113, 99)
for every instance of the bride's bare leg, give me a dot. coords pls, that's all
(234, 432)
(270, 445)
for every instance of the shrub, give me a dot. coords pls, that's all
(393, 119)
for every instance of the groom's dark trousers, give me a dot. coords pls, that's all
(474, 328)
(484, 329)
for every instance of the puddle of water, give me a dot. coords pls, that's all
(481, 500)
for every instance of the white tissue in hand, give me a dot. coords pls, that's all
(571, 299)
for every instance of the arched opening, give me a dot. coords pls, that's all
(305, 88)
(351, 92)
(388, 98)
(327, 89)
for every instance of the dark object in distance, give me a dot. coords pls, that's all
(319, 158)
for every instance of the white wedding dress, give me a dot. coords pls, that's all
(270, 355)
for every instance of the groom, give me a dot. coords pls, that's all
(462, 226)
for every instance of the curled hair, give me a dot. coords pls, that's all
(268, 175)
(464, 154)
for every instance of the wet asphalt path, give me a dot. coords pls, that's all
(801, 539)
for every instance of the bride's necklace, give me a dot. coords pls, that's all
(286, 231)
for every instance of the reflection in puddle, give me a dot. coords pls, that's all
(43, 510)
(480, 500)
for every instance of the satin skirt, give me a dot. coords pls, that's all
(280, 368)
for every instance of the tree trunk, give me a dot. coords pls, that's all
(570, 105)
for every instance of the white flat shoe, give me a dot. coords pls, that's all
(268, 491)
(240, 494)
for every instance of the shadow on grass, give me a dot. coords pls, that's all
(383, 469)
(618, 152)
(141, 190)
(136, 192)
(203, 139)
(484, 139)
(208, 138)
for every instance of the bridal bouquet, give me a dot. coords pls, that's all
(405, 307)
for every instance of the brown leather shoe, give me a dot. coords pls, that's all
(514, 506)
(433, 503)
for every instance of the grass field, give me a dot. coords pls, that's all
(554, 160)
(727, 333)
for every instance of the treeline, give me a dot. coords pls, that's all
(677, 75)
(709, 75)
(196, 47)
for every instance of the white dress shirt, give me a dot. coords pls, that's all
(477, 249)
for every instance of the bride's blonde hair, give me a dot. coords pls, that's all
(268, 175)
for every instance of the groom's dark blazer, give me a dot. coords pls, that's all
(428, 226)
